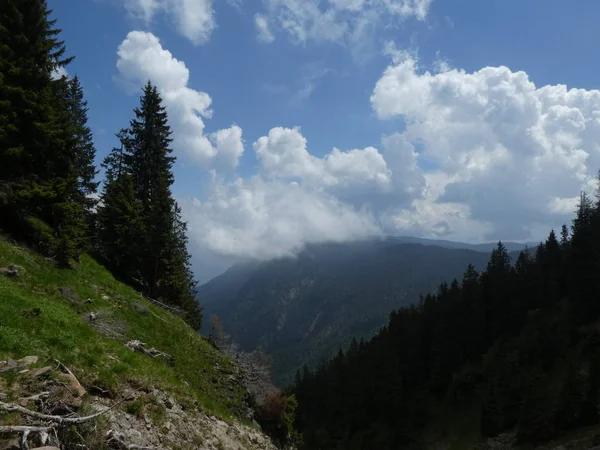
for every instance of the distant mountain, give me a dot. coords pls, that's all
(485, 247)
(301, 310)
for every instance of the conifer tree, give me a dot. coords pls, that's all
(141, 229)
(83, 145)
(120, 227)
(37, 160)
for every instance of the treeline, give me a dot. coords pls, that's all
(48, 181)
(518, 345)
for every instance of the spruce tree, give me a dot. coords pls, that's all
(83, 145)
(142, 233)
(151, 167)
(37, 162)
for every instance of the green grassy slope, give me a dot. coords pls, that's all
(37, 319)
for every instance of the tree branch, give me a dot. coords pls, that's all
(57, 419)
(22, 429)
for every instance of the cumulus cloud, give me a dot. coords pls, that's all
(194, 19)
(333, 20)
(142, 57)
(283, 154)
(478, 156)
(266, 219)
(510, 154)
(297, 197)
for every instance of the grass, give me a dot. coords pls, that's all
(37, 319)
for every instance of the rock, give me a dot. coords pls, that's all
(20, 365)
(179, 428)
(46, 448)
(100, 392)
(73, 384)
(12, 271)
(105, 297)
(169, 402)
(27, 361)
(89, 300)
(93, 316)
(14, 443)
(8, 366)
(36, 373)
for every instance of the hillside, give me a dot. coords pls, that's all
(302, 310)
(82, 318)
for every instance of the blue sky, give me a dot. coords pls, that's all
(449, 118)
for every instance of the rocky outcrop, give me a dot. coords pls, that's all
(49, 401)
(171, 425)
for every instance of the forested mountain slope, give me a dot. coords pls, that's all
(302, 310)
(513, 349)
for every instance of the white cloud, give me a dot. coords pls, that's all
(406, 8)
(194, 19)
(229, 145)
(262, 26)
(142, 57)
(298, 198)
(509, 154)
(340, 21)
(59, 72)
(265, 219)
(237, 4)
(283, 154)
(352, 5)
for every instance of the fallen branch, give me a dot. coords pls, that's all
(61, 420)
(139, 346)
(66, 369)
(158, 317)
(23, 428)
(35, 397)
(173, 309)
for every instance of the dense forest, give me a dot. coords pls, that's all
(48, 181)
(515, 347)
